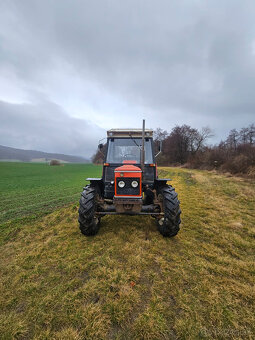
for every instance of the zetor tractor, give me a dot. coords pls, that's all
(129, 185)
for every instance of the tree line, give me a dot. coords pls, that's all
(189, 147)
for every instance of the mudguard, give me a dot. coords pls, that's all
(97, 182)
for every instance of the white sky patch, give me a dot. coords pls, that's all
(12, 89)
(253, 47)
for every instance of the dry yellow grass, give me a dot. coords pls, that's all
(128, 282)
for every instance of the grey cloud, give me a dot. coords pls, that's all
(181, 61)
(46, 127)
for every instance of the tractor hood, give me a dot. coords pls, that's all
(128, 168)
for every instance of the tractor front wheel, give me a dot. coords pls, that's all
(89, 223)
(168, 226)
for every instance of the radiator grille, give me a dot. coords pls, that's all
(128, 189)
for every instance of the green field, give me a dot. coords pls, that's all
(31, 188)
(127, 282)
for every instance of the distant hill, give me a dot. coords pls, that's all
(12, 154)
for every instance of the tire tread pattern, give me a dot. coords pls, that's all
(171, 224)
(88, 224)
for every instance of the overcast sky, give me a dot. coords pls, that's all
(70, 69)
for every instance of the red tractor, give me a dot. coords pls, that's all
(129, 185)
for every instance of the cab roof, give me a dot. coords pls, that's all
(127, 132)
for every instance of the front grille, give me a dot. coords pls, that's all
(128, 189)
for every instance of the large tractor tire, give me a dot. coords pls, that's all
(169, 225)
(89, 223)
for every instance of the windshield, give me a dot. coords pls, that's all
(126, 149)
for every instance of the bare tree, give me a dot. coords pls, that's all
(251, 134)
(160, 134)
(184, 141)
(98, 157)
(201, 137)
(244, 136)
(233, 139)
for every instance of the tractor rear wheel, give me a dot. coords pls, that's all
(89, 223)
(169, 225)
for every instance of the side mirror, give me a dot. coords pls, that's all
(159, 148)
(100, 146)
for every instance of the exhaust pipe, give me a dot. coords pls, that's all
(142, 152)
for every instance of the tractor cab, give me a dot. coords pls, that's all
(129, 184)
(124, 147)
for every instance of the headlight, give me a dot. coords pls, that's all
(134, 184)
(121, 184)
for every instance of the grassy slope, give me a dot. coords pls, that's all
(129, 282)
(28, 188)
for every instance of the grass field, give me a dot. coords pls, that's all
(30, 188)
(128, 282)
